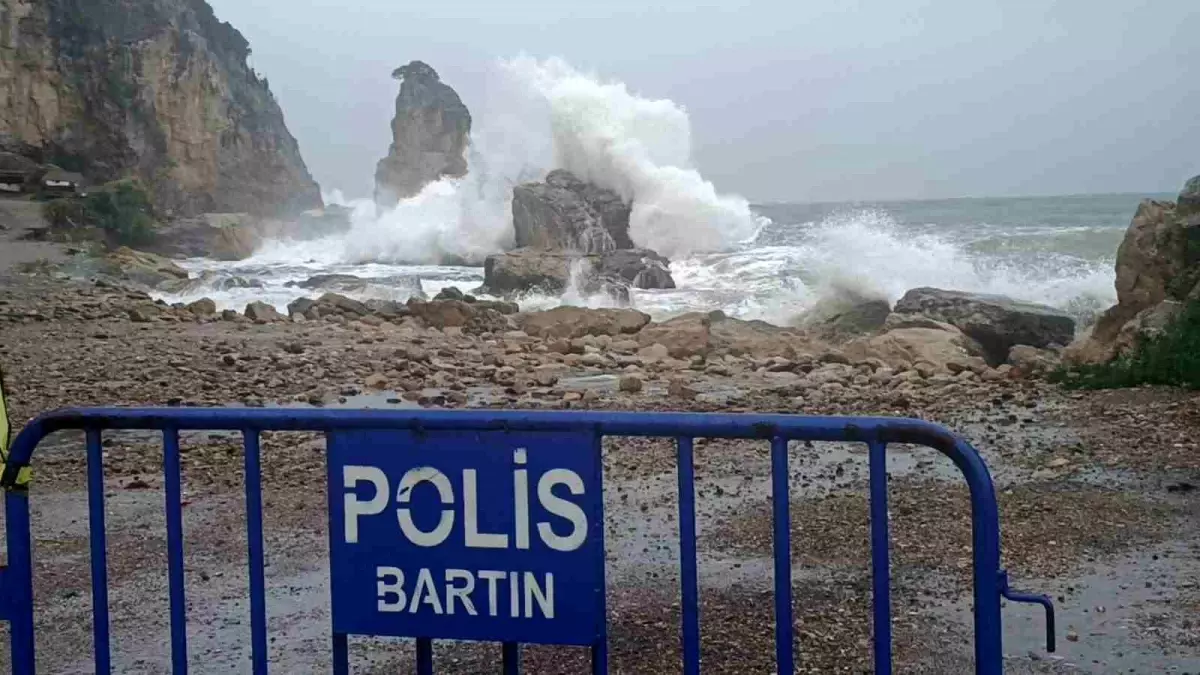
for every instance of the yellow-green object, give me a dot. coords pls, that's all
(24, 476)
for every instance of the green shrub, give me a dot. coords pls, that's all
(1171, 358)
(120, 210)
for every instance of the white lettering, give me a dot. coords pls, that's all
(385, 589)
(411, 479)
(514, 595)
(545, 599)
(562, 508)
(424, 593)
(351, 477)
(460, 593)
(491, 577)
(475, 538)
(521, 495)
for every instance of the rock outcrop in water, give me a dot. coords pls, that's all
(573, 235)
(158, 89)
(554, 272)
(430, 133)
(1158, 270)
(568, 214)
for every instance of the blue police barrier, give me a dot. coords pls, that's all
(413, 554)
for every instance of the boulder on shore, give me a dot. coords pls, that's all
(430, 134)
(996, 322)
(221, 236)
(564, 213)
(1158, 263)
(574, 322)
(140, 268)
(263, 313)
(906, 343)
(552, 272)
(844, 315)
(705, 333)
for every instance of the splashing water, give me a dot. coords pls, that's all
(537, 115)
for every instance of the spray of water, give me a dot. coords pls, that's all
(537, 115)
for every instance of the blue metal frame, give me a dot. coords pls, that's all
(990, 582)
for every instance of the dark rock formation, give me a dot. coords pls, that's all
(845, 315)
(157, 89)
(1158, 268)
(564, 213)
(995, 322)
(635, 268)
(552, 272)
(567, 230)
(430, 133)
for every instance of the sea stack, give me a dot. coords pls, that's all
(430, 133)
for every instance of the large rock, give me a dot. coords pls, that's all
(703, 333)
(332, 282)
(157, 89)
(564, 213)
(841, 316)
(140, 268)
(635, 268)
(940, 344)
(262, 312)
(1158, 263)
(221, 236)
(1189, 197)
(475, 317)
(335, 303)
(573, 322)
(683, 336)
(995, 322)
(553, 272)
(430, 133)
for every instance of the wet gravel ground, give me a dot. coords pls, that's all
(1097, 496)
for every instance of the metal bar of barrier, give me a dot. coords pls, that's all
(690, 587)
(782, 522)
(101, 645)
(880, 560)
(174, 498)
(256, 555)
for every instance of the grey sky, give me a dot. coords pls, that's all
(789, 100)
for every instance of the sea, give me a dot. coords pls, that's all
(1058, 251)
(771, 262)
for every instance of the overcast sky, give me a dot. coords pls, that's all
(814, 100)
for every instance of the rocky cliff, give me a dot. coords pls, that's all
(430, 133)
(158, 89)
(1158, 270)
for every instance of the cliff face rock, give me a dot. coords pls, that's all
(1158, 268)
(158, 89)
(430, 133)
(565, 213)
